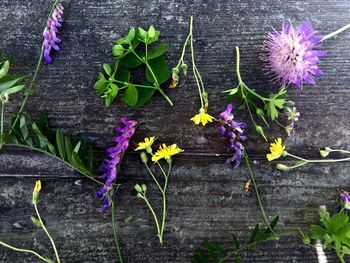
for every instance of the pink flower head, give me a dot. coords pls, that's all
(291, 55)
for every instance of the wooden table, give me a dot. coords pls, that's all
(206, 198)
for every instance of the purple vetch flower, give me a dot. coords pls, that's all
(125, 130)
(345, 198)
(291, 55)
(51, 40)
(232, 130)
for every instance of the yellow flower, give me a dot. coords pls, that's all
(202, 117)
(166, 152)
(37, 187)
(276, 150)
(147, 143)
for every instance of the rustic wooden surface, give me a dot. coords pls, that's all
(206, 198)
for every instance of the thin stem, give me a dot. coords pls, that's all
(154, 77)
(26, 251)
(153, 214)
(35, 76)
(57, 158)
(47, 233)
(181, 60)
(340, 151)
(165, 204)
(136, 85)
(154, 178)
(257, 194)
(319, 161)
(115, 234)
(341, 257)
(2, 120)
(335, 32)
(194, 65)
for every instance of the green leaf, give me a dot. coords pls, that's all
(160, 50)
(317, 232)
(9, 82)
(60, 144)
(142, 34)
(151, 32)
(77, 147)
(69, 148)
(110, 93)
(107, 69)
(144, 95)
(14, 89)
(118, 50)
(279, 103)
(43, 140)
(254, 234)
(79, 163)
(24, 130)
(122, 74)
(130, 96)
(128, 219)
(132, 61)
(160, 69)
(272, 225)
(234, 241)
(131, 35)
(4, 69)
(100, 85)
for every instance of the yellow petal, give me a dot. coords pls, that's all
(37, 186)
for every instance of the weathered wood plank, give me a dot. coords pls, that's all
(206, 198)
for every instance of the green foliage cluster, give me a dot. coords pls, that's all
(132, 53)
(212, 252)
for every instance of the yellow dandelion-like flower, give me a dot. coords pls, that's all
(37, 186)
(166, 152)
(146, 144)
(276, 149)
(202, 117)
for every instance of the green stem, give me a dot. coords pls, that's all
(136, 85)
(47, 233)
(154, 178)
(57, 158)
(153, 214)
(164, 204)
(251, 175)
(341, 257)
(35, 76)
(2, 120)
(26, 251)
(318, 161)
(336, 32)
(181, 60)
(241, 83)
(194, 65)
(154, 77)
(115, 234)
(340, 151)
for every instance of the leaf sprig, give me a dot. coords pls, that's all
(212, 252)
(134, 52)
(40, 137)
(263, 106)
(334, 232)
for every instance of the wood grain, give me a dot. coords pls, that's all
(206, 198)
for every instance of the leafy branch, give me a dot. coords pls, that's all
(263, 106)
(212, 252)
(130, 54)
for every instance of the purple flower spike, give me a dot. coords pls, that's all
(125, 130)
(292, 55)
(51, 40)
(232, 130)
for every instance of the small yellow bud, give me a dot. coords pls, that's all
(36, 191)
(282, 167)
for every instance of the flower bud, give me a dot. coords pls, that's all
(144, 157)
(36, 191)
(144, 188)
(36, 221)
(282, 167)
(139, 195)
(324, 153)
(138, 188)
(259, 112)
(175, 75)
(184, 68)
(260, 131)
(345, 198)
(4, 69)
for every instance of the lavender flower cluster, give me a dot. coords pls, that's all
(125, 130)
(50, 32)
(233, 130)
